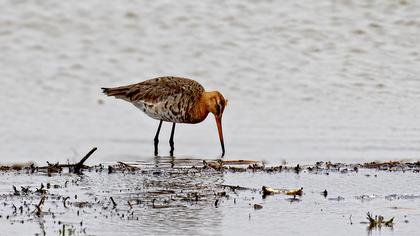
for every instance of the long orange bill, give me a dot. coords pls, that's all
(219, 128)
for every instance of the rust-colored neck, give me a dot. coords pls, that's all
(200, 110)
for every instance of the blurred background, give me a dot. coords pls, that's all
(306, 80)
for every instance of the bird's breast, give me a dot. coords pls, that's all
(170, 110)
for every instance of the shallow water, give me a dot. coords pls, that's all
(306, 81)
(185, 202)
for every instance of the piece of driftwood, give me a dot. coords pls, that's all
(113, 202)
(80, 165)
(77, 167)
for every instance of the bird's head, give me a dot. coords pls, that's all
(216, 103)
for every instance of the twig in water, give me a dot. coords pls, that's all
(113, 202)
(16, 192)
(24, 190)
(64, 201)
(39, 206)
(79, 165)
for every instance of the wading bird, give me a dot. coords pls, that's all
(173, 99)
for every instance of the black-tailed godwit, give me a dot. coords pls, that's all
(173, 99)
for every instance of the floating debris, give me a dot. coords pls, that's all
(113, 202)
(269, 191)
(324, 193)
(217, 165)
(378, 221)
(240, 162)
(295, 192)
(230, 166)
(16, 192)
(297, 168)
(165, 183)
(237, 187)
(339, 198)
(257, 206)
(129, 167)
(366, 197)
(75, 168)
(82, 204)
(393, 197)
(158, 206)
(38, 211)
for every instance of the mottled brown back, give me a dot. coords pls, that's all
(157, 89)
(162, 98)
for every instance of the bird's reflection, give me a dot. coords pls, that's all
(179, 195)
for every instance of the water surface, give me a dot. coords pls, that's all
(306, 81)
(330, 80)
(171, 197)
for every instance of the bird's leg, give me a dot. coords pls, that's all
(157, 138)
(171, 140)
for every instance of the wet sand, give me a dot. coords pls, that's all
(191, 196)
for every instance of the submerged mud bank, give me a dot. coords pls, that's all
(193, 196)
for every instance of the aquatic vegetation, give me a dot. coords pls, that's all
(378, 221)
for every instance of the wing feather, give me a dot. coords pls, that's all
(157, 89)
